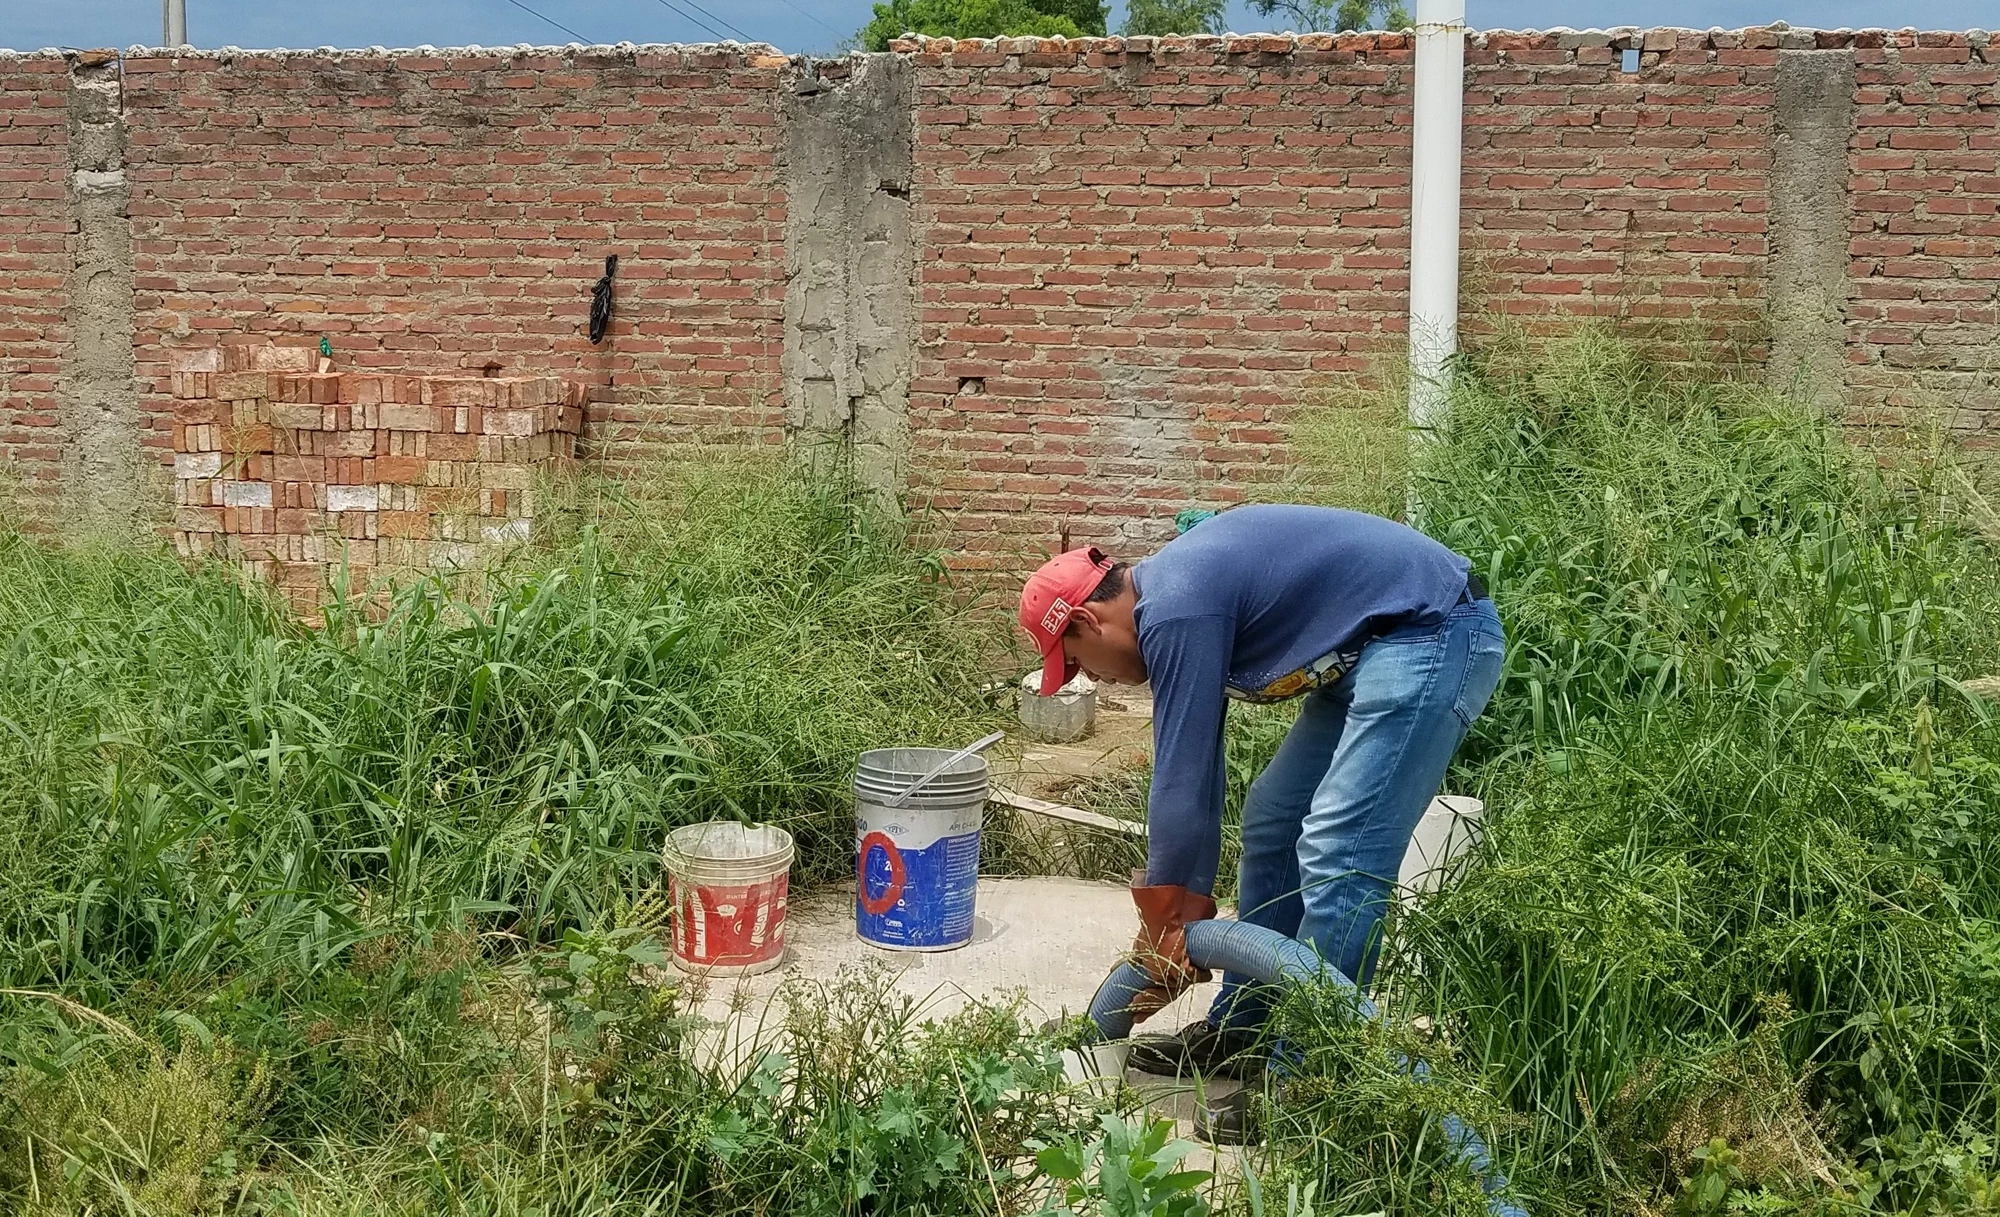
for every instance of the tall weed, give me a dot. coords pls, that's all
(191, 781)
(1735, 792)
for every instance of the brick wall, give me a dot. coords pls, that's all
(451, 210)
(34, 265)
(1134, 259)
(1139, 255)
(1590, 190)
(1924, 314)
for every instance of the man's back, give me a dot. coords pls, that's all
(1293, 585)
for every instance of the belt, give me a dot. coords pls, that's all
(1475, 590)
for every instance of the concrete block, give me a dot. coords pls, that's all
(351, 498)
(296, 417)
(195, 359)
(509, 422)
(506, 532)
(283, 358)
(506, 477)
(454, 555)
(406, 417)
(351, 443)
(197, 464)
(245, 494)
(455, 391)
(242, 386)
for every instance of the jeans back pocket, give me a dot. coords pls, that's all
(1485, 655)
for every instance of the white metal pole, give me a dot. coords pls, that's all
(173, 23)
(1434, 181)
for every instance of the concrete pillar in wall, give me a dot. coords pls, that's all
(850, 265)
(1809, 224)
(102, 466)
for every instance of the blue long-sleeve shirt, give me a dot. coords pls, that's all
(1261, 604)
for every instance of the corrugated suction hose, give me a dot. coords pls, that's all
(1271, 958)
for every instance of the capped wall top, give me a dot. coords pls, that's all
(1778, 35)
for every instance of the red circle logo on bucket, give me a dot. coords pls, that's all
(877, 905)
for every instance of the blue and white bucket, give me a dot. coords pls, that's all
(917, 866)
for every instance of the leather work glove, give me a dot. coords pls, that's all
(1161, 948)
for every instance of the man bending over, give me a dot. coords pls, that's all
(1395, 648)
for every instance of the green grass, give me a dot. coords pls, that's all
(1743, 871)
(195, 783)
(357, 919)
(362, 908)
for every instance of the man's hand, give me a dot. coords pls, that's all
(1161, 948)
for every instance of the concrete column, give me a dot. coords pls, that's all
(99, 388)
(850, 266)
(1809, 220)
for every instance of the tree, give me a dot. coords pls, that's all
(1310, 15)
(982, 19)
(1175, 16)
(1089, 15)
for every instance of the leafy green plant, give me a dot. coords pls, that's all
(1309, 15)
(1729, 777)
(391, 855)
(1739, 876)
(337, 920)
(1124, 1171)
(1298, 1200)
(135, 1129)
(1929, 1172)
(591, 983)
(1716, 1177)
(1351, 1113)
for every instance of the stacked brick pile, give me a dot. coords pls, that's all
(294, 472)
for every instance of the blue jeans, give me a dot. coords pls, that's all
(1326, 825)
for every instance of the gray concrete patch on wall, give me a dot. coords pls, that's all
(1809, 224)
(850, 264)
(99, 387)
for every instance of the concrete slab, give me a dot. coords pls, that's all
(1121, 739)
(1048, 939)
(1051, 939)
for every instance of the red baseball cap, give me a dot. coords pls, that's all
(1048, 601)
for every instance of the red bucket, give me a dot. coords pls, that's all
(727, 884)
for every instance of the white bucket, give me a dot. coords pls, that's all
(1100, 1067)
(1063, 716)
(1449, 828)
(917, 866)
(728, 884)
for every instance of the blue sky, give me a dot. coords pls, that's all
(813, 26)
